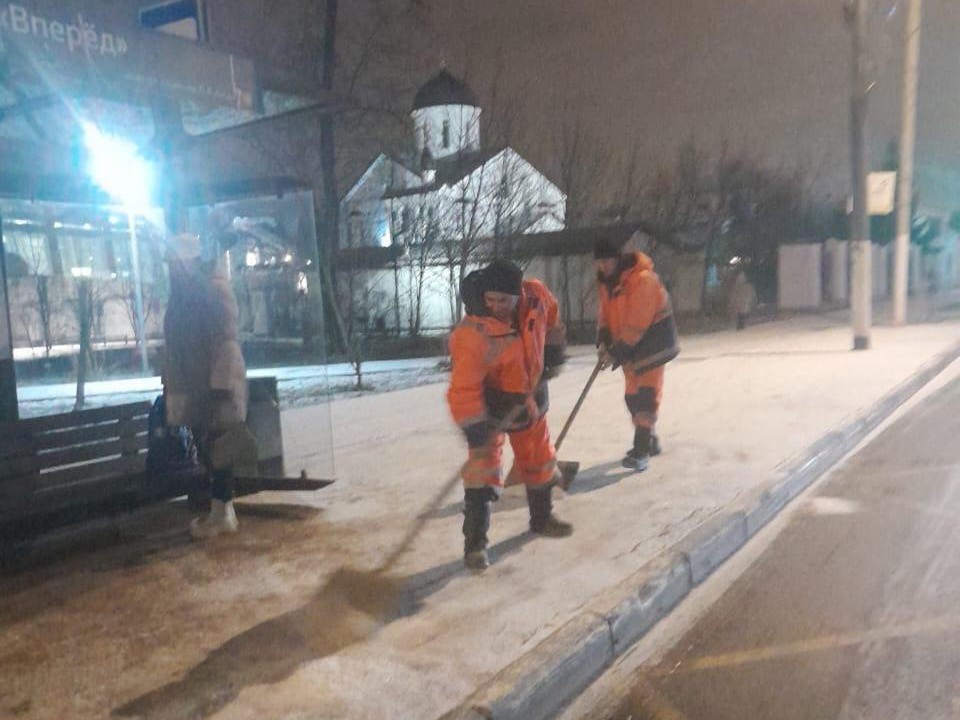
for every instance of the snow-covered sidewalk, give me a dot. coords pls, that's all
(170, 629)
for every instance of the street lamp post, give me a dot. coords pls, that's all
(908, 128)
(138, 291)
(860, 248)
(118, 168)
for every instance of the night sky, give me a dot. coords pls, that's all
(771, 76)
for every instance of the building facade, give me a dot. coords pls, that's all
(449, 206)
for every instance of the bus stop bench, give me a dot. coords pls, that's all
(67, 468)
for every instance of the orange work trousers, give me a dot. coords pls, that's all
(643, 394)
(534, 459)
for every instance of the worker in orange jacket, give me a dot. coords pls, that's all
(636, 332)
(508, 344)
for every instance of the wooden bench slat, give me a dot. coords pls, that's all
(13, 469)
(16, 444)
(48, 423)
(91, 433)
(80, 454)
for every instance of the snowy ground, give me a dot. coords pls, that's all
(240, 628)
(298, 386)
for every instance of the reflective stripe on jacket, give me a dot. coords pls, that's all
(496, 365)
(636, 315)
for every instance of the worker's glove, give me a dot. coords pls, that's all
(604, 338)
(553, 360)
(605, 359)
(551, 371)
(619, 354)
(479, 434)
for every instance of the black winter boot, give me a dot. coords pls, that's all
(542, 520)
(638, 457)
(476, 523)
(655, 448)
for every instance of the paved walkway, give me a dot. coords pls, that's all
(162, 628)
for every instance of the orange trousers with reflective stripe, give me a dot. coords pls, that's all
(534, 459)
(643, 395)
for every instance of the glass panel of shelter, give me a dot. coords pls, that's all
(268, 247)
(269, 250)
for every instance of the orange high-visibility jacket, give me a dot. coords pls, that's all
(496, 366)
(636, 318)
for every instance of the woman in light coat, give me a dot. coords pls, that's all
(204, 378)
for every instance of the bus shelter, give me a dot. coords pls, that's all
(97, 117)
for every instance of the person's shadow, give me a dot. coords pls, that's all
(349, 608)
(599, 477)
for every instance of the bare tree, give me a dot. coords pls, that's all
(588, 173)
(87, 305)
(416, 223)
(34, 257)
(128, 299)
(584, 164)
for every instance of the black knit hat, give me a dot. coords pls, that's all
(605, 248)
(471, 292)
(503, 276)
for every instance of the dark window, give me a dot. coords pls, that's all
(446, 134)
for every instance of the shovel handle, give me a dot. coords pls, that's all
(442, 493)
(576, 408)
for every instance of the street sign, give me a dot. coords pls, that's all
(78, 48)
(881, 193)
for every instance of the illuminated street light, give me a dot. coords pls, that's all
(118, 168)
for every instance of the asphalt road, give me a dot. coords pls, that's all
(852, 612)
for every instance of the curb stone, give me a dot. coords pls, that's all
(711, 543)
(538, 684)
(634, 605)
(541, 682)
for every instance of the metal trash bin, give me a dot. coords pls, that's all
(263, 419)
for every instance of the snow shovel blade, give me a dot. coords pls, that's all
(568, 470)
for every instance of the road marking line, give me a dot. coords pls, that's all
(645, 696)
(938, 625)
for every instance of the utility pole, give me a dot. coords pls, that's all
(328, 157)
(908, 132)
(861, 297)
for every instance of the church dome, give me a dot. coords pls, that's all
(444, 89)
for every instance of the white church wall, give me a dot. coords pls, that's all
(530, 200)
(504, 196)
(462, 133)
(364, 203)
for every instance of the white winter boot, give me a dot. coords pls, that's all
(222, 518)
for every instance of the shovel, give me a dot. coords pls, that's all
(569, 469)
(361, 600)
(357, 602)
